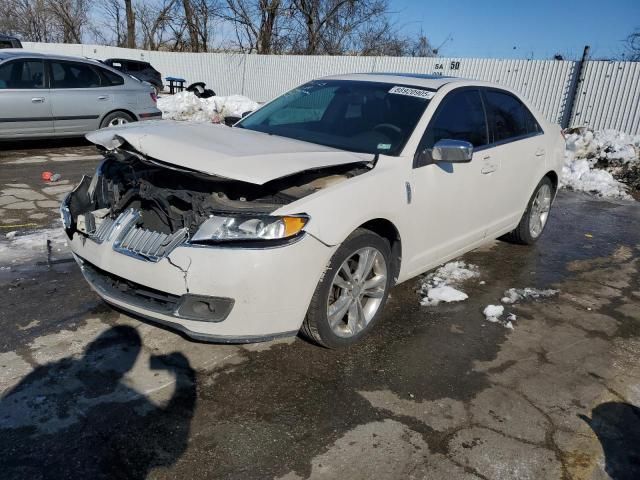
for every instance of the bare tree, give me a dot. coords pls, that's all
(31, 20)
(115, 22)
(131, 24)
(255, 24)
(155, 21)
(72, 17)
(633, 46)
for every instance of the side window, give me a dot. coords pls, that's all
(109, 78)
(22, 74)
(73, 75)
(508, 117)
(459, 117)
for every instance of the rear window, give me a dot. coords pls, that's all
(508, 117)
(109, 78)
(6, 44)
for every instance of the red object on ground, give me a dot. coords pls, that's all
(46, 176)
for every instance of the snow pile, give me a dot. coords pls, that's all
(439, 286)
(493, 313)
(514, 295)
(592, 157)
(39, 245)
(186, 106)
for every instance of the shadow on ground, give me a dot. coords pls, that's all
(45, 143)
(78, 418)
(617, 426)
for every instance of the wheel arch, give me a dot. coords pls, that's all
(553, 176)
(387, 230)
(124, 110)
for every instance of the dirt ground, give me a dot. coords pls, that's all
(434, 392)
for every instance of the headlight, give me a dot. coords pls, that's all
(249, 227)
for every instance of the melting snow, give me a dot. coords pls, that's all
(493, 312)
(186, 106)
(439, 286)
(514, 295)
(34, 246)
(610, 148)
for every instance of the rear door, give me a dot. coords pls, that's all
(25, 103)
(517, 145)
(77, 96)
(451, 201)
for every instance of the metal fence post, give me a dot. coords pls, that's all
(574, 88)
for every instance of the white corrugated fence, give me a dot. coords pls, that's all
(606, 96)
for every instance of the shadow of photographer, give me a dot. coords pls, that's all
(79, 418)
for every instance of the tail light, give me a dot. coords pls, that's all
(154, 97)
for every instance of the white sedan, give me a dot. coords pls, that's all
(303, 215)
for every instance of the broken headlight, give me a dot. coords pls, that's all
(259, 227)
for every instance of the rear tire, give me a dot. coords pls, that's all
(116, 118)
(352, 292)
(535, 216)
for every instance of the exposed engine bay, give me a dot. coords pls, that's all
(170, 199)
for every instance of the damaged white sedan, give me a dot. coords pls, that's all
(303, 215)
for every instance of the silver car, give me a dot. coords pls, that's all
(45, 95)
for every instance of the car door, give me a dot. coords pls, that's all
(451, 201)
(77, 97)
(25, 103)
(517, 144)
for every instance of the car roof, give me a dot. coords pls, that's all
(126, 60)
(433, 82)
(7, 37)
(9, 53)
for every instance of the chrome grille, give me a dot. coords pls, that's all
(149, 244)
(137, 241)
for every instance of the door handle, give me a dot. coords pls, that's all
(540, 152)
(103, 97)
(37, 100)
(488, 166)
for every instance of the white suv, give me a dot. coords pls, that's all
(305, 213)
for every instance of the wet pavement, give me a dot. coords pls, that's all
(434, 392)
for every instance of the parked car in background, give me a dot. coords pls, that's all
(45, 95)
(7, 41)
(139, 69)
(305, 213)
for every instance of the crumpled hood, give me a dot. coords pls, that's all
(222, 151)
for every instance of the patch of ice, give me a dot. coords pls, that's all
(514, 295)
(186, 106)
(439, 286)
(587, 150)
(37, 245)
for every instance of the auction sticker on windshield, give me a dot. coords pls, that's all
(412, 92)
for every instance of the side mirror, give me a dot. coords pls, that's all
(244, 114)
(454, 151)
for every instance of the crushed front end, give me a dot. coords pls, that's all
(199, 253)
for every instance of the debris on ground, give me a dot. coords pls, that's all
(493, 312)
(440, 286)
(514, 295)
(604, 162)
(187, 106)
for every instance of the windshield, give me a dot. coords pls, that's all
(350, 115)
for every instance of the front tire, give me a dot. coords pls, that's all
(352, 292)
(536, 215)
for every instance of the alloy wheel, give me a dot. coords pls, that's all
(356, 292)
(540, 210)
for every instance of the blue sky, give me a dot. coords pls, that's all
(536, 28)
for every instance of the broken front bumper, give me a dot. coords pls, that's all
(245, 294)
